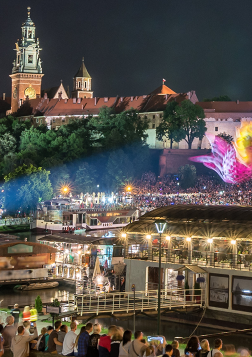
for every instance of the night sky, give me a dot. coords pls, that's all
(130, 46)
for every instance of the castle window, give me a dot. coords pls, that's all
(79, 84)
(216, 128)
(153, 126)
(41, 121)
(154, 116)
(160, 115)
(30, 58)
(37, 120)
(85, 84)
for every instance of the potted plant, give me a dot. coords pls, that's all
(197, 292)
(187, 292)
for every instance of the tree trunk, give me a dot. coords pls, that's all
(171, 141)
(189, 145)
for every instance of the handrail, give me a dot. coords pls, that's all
(144, 300)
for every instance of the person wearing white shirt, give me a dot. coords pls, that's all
(69, 341)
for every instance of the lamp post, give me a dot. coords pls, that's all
(210, 241)
(160, 226)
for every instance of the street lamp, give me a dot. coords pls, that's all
(160, 227)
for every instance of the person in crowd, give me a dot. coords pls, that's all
(9, 332)
(218, 354)
(69, 340)
(40, 346)
(76, 341)
(20, 342)
(53, 338)
(1, 341)
(26, 313)
(61, 335)
(124, 345)
(15, 313)
(204, 344)
(137, 348)
(93, 341)
(47, 335)
(193, 346)
(169, 350)
(105, 342)
(84, 340)
(175, 347)
(27, 326)
(217, 348)
(116, 340)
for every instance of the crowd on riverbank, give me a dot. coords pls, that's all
(152, 192)
(18, 339)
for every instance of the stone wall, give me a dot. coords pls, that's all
(171, 160)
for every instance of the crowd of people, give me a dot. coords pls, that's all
(152, 192)
(17, 340)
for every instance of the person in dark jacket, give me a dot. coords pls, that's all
(83, 340)
(193, 346)
(105, 342)
(116, 341)
(93, 341)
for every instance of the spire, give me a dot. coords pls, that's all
(82, 72)
(29, 21)
(29, 12)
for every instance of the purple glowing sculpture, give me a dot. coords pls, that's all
(223, 160)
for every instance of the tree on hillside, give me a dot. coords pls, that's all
(86, 177)
(192, 121)
(187, 176)
(117, 130)
(120, 169)
(7, 144)
(25, 187)
(171, 125)
(221, 98)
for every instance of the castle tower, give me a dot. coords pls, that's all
(82, 83)
(26, 74)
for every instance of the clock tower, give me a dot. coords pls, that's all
(26, 74)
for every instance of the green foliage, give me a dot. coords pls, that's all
(117, 130)
(38, 304)
(228, 138)
(187, 176)
(171, 125)
(192, 121)
(114, 143)
(86, 178)
(25, 187)
(56, 303)
(221, 98)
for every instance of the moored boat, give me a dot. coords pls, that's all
(38, 286)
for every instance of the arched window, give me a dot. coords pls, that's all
(85, 84)
(79, 84)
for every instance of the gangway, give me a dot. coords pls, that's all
(123, 303)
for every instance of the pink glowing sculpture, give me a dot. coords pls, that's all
(226, 161)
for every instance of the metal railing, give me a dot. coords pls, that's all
(183, 256)
(15, 221)
(144, 301)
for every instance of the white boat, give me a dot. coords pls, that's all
(38, 286)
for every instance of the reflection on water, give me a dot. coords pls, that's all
(12, 296)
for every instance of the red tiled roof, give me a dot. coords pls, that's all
(85, 106)
(163, 89)
(228, 107)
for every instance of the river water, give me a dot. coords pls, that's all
(148, 325)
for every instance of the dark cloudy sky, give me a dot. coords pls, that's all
(131, 45)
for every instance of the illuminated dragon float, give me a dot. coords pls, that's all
(232, 162)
